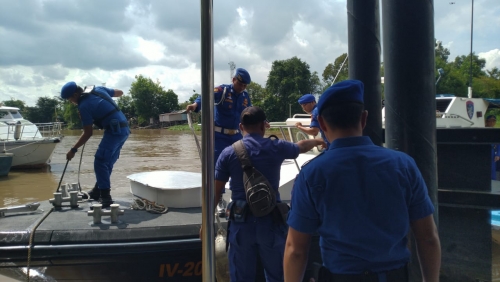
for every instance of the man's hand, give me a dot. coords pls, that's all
(70, 155)
(297, 124)
(191, 107)
(497, 158)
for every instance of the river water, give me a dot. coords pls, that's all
(145, 150)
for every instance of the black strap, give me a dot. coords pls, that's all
(242, 154)
(122, 125)
(91, 90)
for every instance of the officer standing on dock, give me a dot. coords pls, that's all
(230, 101)
(248, 235)
(96, 107)
(308, 104)
(362, 200)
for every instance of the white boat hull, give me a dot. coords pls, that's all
(31, 153)
(173, 189)
(288, 173)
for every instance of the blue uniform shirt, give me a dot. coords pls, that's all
(315, 123)
(94, 107)
(227, 112)
(266, 155)
(360, 198)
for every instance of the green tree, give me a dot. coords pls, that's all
(257, 94)
(127, 106)
(45, 110)
(463, 65)
(15, 103)
(286, 82)
(441, 54)
(71, 116)
(331, 70)
(168, 101)
(494, 73)
(146, 97)
(317, 86)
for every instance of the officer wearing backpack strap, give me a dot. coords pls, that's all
(252, 234)
(96, 106)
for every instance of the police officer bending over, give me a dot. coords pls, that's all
(249, 235)
(362, 200)
(308, 104)
(230, 101)
(96, 107)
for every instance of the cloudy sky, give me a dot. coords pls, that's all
(44, 43)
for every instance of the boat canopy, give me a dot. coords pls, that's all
(493, 103)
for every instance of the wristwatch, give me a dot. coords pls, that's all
(74, 150)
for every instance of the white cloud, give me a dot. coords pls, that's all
(95, 41)
(492, 58)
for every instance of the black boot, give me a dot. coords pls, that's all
(106, 200)
(94, 194)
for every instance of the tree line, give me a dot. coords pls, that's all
(286, 82)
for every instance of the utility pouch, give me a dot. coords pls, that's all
(114, 125)
(239, 211)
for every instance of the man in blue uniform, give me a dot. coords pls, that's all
(361, 200)
(230, 101)
(96, 107)
(249, 235)
(308, 104)
(491, 121)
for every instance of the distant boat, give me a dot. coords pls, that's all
(460, 112)
(5, 163)
(25, 140)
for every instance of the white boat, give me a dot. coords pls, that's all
(165, 187)
(460, 112)
(25, 140)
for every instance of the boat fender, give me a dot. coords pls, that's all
(221, 259)
(17, 130)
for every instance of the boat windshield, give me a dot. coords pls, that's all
(16, 114)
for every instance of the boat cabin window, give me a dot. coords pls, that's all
(4, 114)
(16, 114)
(442, 104)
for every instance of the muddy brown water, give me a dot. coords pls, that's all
(145, 150)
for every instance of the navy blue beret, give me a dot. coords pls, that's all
(491, 116)
(242, 75)
(68, 90)
(307, 98)
(344, 91)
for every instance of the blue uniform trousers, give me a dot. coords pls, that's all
(257, 236)
(222, 141)
(106, 156)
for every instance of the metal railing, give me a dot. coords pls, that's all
(19, 131)
(52, 129)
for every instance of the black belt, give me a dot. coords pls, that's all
(395, 275)
(122, 125)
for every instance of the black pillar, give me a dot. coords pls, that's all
(363, 24)
(410, 106)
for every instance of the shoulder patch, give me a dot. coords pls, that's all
(309, 161)
(218, 89)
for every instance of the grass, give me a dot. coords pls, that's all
(185, 127)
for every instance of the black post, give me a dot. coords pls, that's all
(410, 103)
(363, 23)
(471, 30)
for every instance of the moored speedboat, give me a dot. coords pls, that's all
(25, 140)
